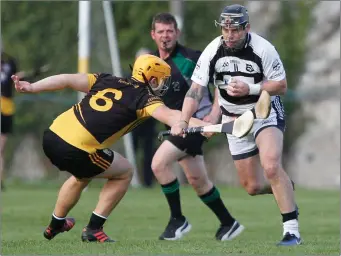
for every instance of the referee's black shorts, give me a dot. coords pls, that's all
(191, 144)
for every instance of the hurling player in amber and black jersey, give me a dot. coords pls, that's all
(78, 140)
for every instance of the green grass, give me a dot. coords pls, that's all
(141, 216)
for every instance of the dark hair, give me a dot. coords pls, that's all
(165, 18)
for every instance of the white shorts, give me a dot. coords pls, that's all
(245, 147)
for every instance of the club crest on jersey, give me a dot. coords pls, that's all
(107, 152)
(197, 66)
(249, 68)
(176, 86)
(276, 65)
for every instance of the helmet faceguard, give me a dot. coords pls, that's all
(163, 85)
(234, 17)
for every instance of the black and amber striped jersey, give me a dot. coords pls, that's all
(113, 107)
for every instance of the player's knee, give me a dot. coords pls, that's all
(271, 169)
(125, 172)
(126, 175)
(158, 166)
(199, 183)
(195, 181)
(252, 189)
(82, 182)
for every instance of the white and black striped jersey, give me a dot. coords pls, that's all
(258, 61)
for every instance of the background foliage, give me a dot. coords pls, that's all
(37, 33)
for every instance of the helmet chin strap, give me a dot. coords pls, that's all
(148, 84)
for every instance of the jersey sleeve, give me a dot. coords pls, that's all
(201, 73)
(147, 104)
(272, 65)
(196, 56)
(93, 78)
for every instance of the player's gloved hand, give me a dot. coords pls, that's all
(237, 88)
(178, 128)
(21, 86)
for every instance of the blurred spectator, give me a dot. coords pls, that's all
(144, 135)
(8, 68)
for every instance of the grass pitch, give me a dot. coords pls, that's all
(143, 213)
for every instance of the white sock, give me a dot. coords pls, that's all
(100, 215)
(291, 226)
(58, 218)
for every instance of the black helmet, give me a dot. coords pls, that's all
(233, 15)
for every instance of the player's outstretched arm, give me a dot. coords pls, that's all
(189, 107)
(170, 117)
(78, 82)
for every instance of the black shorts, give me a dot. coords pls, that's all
(79, 163)
(6, 124)
(191, 144)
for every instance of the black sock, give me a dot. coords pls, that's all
(213, 201)
(96, 222)
(172, 193)
(289, 216)
(57, 223)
